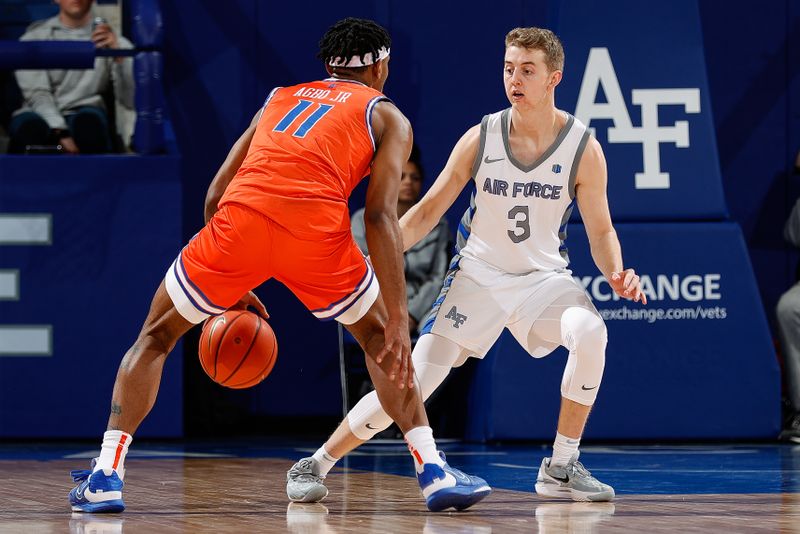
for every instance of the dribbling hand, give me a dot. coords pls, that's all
(250, 299)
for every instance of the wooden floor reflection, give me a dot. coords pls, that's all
(248, 495)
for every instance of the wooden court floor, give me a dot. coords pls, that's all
(248, 495)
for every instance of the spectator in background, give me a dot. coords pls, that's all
(788, 313)
(425, 262)
(797, 163)
(66, 107)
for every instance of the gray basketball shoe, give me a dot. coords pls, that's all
(571, 481)
(303, 483)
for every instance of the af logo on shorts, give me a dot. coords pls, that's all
(457, 318)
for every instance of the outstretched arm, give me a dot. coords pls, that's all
(590, 190)
(425, 214)
(228, 169)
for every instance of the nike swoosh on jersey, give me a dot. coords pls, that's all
(487, 160)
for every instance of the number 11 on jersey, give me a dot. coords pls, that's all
(307, 124)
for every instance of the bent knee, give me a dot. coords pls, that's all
(583, 329)
(594, 336)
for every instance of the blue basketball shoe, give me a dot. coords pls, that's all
(446, 487)
(96, 492)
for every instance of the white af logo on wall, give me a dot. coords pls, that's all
(600, 71)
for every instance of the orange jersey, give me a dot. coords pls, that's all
(312, 145)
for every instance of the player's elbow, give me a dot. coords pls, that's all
(600, 238)
(378, 218)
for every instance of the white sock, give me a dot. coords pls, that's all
(564, 449)
(324, 460)
(112, 453)
(423, 447)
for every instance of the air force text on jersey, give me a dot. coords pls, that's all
(494, 186)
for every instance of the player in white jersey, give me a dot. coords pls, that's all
(530, 164)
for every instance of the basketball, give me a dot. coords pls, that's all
(237, 349)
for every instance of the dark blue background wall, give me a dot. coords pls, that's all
(753, 63)
(220, 62)
(114, 230)
(445, 74)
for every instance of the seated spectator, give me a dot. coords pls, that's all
(426, 262)
(797, 163)
(788, 313)
(425, 268)
(66, 107)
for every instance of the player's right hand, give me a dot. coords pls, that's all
(397, 345)
(250, 299)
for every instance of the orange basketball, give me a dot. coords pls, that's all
(237, 349)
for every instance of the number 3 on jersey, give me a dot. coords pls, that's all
(523, 224)
(307, 124)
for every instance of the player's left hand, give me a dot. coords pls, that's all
(397, 346)
(250, 299)
(626, 284)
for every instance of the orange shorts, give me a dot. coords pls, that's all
(240, 248)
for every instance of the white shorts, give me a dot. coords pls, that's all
(478, 301)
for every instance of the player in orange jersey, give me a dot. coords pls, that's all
(277, 208)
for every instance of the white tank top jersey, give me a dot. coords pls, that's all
(518, 215)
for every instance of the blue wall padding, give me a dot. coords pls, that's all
(148, 136)
(146, 24)
(714, 376)
(46, 54)
(116, 227)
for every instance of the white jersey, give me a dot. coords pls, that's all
(518, 215)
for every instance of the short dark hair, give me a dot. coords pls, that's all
(352, 37)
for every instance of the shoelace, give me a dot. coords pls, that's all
(577, 468)
(302, 472)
